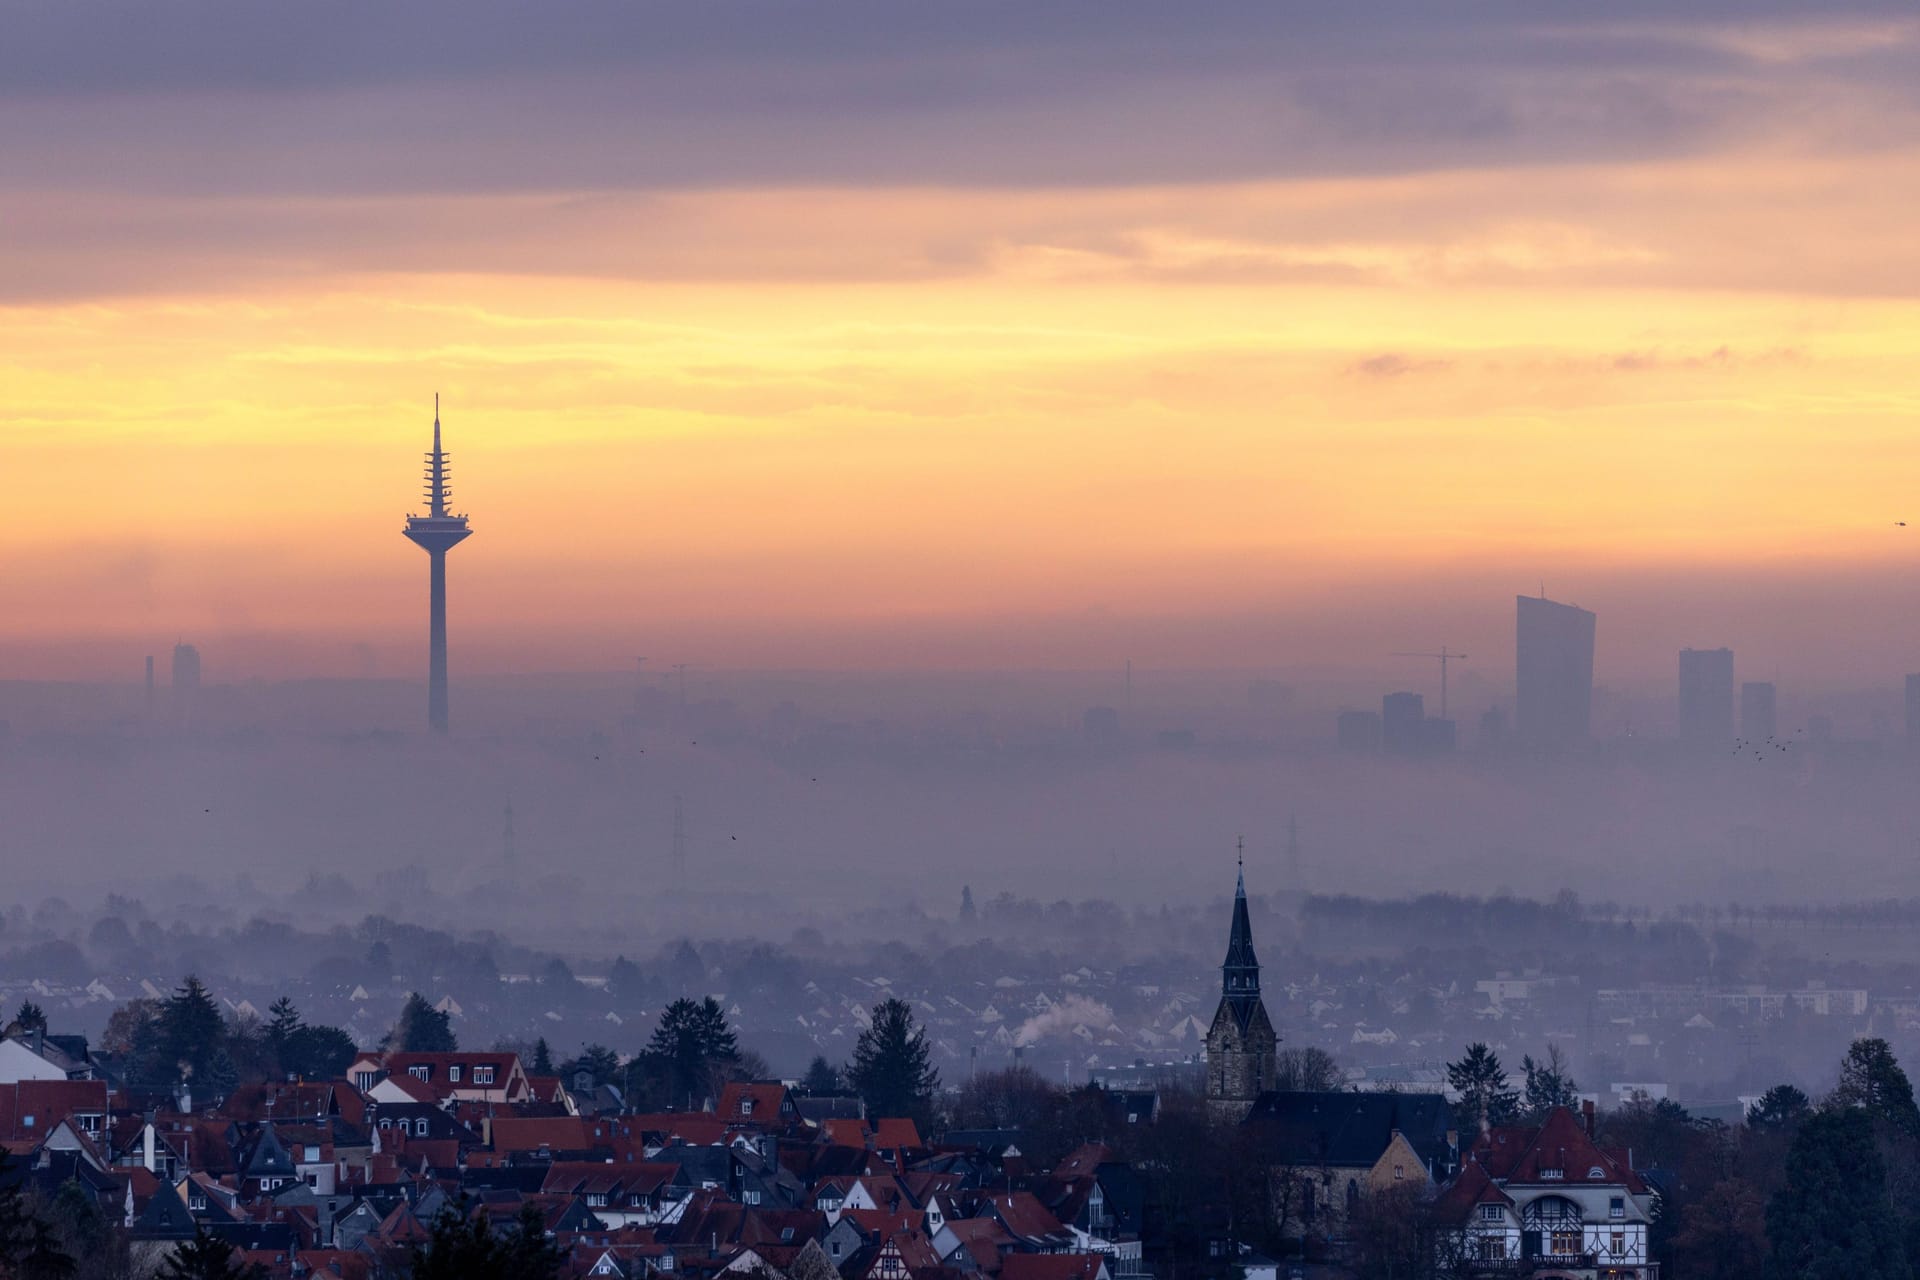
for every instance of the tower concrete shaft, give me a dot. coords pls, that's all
(437, 533)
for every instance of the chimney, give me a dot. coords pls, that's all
(1586, 1113)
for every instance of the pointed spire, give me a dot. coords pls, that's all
(1240, 975)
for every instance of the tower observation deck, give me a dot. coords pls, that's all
(437, 532)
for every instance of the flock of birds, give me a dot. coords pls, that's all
(1759, 749)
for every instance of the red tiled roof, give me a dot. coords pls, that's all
(30, 1109)
(898, 1132)
(760, 1103)
(1559, 1152)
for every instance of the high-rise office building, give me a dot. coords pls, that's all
(1403, 723)
(1706, 698)
(437, 533)
(186, 667)
(1553, 672)
(1757, 719)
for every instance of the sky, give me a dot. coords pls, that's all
(900, 336)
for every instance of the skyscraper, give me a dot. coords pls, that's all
(1706, 698)
(437, 533)
(1553, 672)
(1757, 718)
(186, 667)
(1403, 723)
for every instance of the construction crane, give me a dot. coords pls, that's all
(1443, 655)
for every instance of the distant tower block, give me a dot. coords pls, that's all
(437, 533)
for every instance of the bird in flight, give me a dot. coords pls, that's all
(1899, 524)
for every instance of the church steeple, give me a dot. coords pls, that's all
(1242, 1049)
(1240, 975)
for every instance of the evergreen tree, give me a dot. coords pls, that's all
(624, 978)
(892, 1064)
(1780, 1107)
(1833, 1220)
(598, 1060)
(821, 1080)
(191, 1030)
(1549, 1084)
(29, 1249)
(692, 1045)
(31, 1017)
(542, 1059)
(463, 1246)
(1871, 1079)
(1481, 1082)
(526, 1253)
(967, 912)
(282, 1022)
(421, 1028)
(318, 1053)
(208, 1257)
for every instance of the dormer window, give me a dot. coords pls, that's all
(421, 1072)
(1552, 1175)
(1490, 1213)
(453, 1073)
(483, 1075)
(1596, 1174)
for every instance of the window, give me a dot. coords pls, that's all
(1549, 1175)
(363, 1079)
(312, 1154)
(1566, 1244)
(1493, 1248)
(421, 1072)
(1618, 1245)
(1399, 1172)
(483, 1075)
(1490, 1213)
(1617, 1207)
(750, 1197)
(1596, 1174)
(453, 1073)
(746, 1106)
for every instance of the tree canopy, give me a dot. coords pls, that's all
(892, 1068)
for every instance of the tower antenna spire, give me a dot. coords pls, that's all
(437, 532)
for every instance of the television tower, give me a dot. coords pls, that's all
(437, 533)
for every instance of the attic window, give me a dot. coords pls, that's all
(1552, 1175)
(453, 1073)
(421, 1072)
(1489, 1213)
(483, 1075)
(1596, 1173)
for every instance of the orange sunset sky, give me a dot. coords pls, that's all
(1250, 335)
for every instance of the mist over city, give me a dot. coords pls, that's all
(959, 642)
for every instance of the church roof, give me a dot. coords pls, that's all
(1240, 974)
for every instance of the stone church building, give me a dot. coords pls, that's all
(1241, 1045)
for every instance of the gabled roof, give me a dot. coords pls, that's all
(1558, 1153)
(165, 1217)
(1025, 1217)
(1472, 1188)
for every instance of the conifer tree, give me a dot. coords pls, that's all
(892, 1064)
